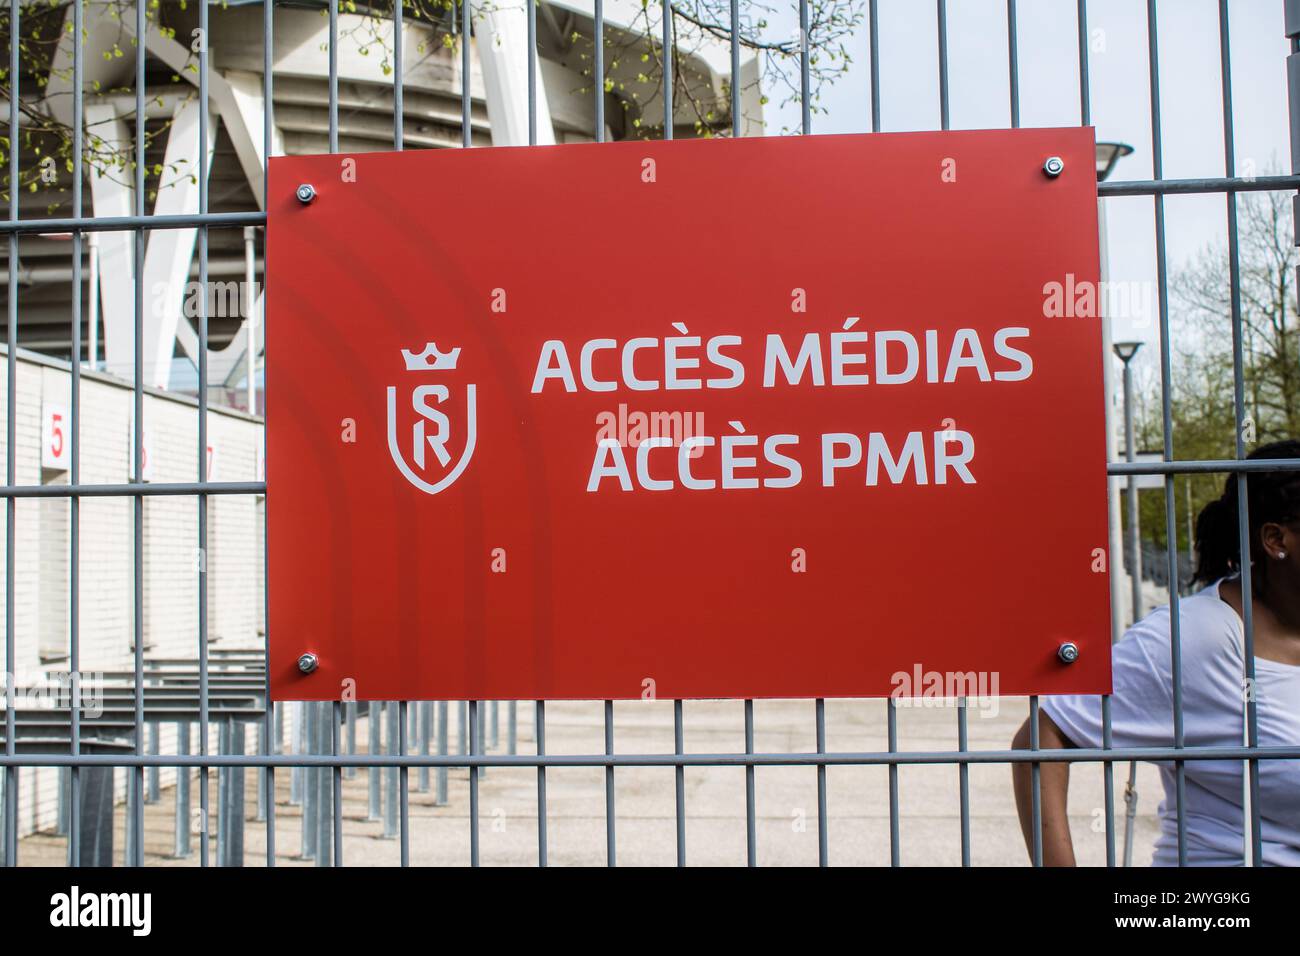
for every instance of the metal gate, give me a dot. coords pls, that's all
(324, 759)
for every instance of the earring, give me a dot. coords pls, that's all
(1281, 555)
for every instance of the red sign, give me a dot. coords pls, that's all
(780, 417)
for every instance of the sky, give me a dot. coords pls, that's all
(1191, 102)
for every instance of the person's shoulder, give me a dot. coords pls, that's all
(1206, 624)
(1206, 617)
(1209, 630)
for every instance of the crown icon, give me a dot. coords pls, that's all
(431, 360)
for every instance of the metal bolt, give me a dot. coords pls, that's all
(1054, 166)
(306, 193)
(307, 663)
(1068, 652)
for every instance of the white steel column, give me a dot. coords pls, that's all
(250, 320)
(111, 194)
(92, 247)
(167, 260)
(501, 36)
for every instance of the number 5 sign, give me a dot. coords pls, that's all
(56, 439)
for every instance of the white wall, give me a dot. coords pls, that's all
(236, 601)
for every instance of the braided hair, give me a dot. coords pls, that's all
(1271, 497)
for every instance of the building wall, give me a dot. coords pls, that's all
(171, 558)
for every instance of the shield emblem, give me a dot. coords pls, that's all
(428, 436)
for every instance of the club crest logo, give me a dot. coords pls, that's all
(432, 438)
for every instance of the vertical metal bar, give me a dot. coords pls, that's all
(1175, 637)
(61, 824)
(473, 780)
(1239, 445)
(735, 68)
(1085, 83)
(873, 32)
(440, 797)
(1108, 781)
(135, 806)
(891, 715)
(941, 24)
(205, 33)
(399, 112)
(1013, 64)
(350, 735)
(74, 475)
(183, 823)
(11, 455)
(539, 734)
(668, 79)
(1135, 576)
(610, 858)
(374, 775)
(332, 777)
(393, 722)
(268, 129)
(235, 814)
(1108, 768)
(751, 826)
(963, 780)
(598, 71)
(324, 809)
(310, 780)
(1130, 812)
(263, 744)
(223, 796)
(805, 99)
(680, 774)
(334, 76)
(1036, 815)
(332, 711)
(823, 837)
(426, 731)
(462, 725)
(464, 73)
(512, 728)
(152, 779)
(128, 848)
(404, 782)
(482, 735)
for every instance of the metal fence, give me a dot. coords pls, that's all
(325, 768)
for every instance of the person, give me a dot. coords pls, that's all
(1214, 691)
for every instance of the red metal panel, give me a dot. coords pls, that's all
(494, 572)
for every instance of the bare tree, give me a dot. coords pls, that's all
(1201, 360)
(1270, 322)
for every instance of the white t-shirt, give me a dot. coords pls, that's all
(1213, 715)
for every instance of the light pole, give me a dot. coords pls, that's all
(1108, 154)
(1126, 351)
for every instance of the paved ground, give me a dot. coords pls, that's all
(786, 797)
